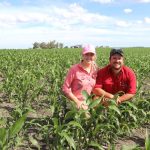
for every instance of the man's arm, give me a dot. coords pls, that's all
(124, 97)
(101, 92)
(132, 88)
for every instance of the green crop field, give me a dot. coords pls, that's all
(34, 114)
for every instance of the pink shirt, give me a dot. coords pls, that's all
(78, 80)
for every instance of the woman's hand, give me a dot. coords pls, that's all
(81, 105)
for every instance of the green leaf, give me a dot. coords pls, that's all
(94, 103)
(85, 94)
(2, 122)
(115, 108)
(131, 105)
(16, 127)
(76, 124)
(69, 139)
(52, 108)
(147, 141)
(70, 115)
(55, 121)
(95, 144)
(112, 102)
(34, 142)
(125, 127)
(133, 116)
(3, 136)
(97, 129)
(100, 109)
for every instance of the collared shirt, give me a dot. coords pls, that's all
(78, 80)
(125, 81)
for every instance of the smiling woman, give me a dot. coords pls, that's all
(81, 77)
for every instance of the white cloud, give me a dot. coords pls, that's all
(75, 14)
(71, 25)
(103, 1)
(122, 23)
(127, 10)
(143, 1)
(63, 18)
(15, 18)
(147, 20)
(139, 22)
(96, 36)
(5, 4)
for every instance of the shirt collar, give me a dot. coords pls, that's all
(81, 68)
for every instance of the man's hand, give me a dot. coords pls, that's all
(118, 101)
(105, 102)
(124, 98)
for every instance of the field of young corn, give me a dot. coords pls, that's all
(34, 114)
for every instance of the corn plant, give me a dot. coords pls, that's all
(7, 134)
(32, 79)
(147, 141)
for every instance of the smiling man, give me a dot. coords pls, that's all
(115, 78)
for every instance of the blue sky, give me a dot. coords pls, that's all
(115, 23)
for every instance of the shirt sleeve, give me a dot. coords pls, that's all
(66, 88)
(132, 83)
(99, 79)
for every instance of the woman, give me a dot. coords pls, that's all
(81, 77)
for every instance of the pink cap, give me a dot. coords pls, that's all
(88, 49)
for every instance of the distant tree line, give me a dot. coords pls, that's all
(49, 45)
(55, 44)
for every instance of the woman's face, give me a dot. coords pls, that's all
(89, 57)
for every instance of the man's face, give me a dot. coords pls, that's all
(116, 61)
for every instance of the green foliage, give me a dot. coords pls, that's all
(7, 134)
(33, 80)
(147, 141)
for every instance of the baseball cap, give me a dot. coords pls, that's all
(116, 51)
(88, 49)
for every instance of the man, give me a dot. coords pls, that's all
(115, 78)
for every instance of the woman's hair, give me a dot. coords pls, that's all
(95, 66)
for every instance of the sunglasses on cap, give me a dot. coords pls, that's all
(116, 51)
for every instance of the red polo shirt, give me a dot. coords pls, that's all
(125, 81)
